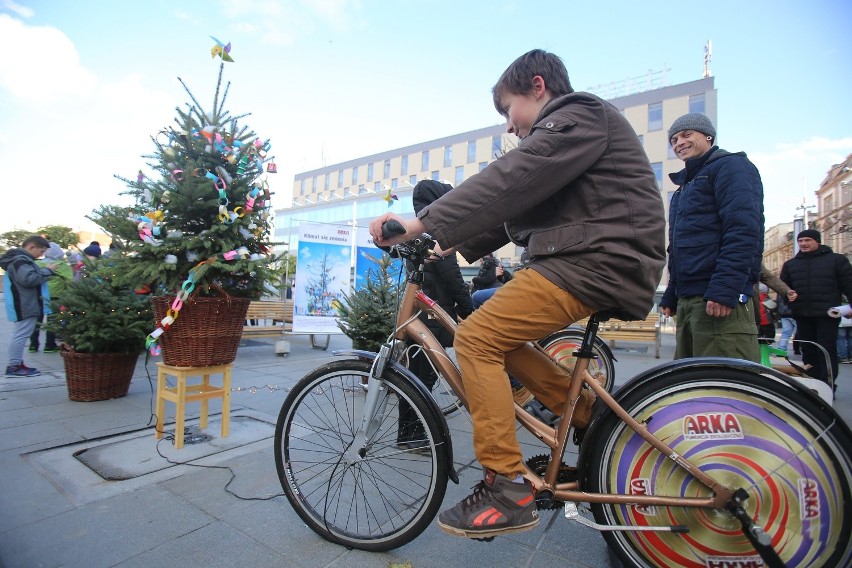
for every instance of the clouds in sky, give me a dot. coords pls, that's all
(326, 80)
(782, 168)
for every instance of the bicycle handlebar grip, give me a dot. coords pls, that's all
(392, 227)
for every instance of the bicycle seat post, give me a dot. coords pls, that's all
(589, 335)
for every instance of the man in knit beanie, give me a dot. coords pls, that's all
(715, 245)
(820, 277)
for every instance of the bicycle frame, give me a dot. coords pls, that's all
(409, 326)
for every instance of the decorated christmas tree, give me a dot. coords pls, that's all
(367, 315)
(203, 220)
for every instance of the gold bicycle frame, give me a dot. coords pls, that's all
(409, 326)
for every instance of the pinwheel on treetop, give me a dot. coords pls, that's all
(221, 50)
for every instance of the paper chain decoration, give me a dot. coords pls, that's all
(186, 289)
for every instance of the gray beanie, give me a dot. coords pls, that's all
(693, 121)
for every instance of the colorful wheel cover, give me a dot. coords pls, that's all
(795, 488)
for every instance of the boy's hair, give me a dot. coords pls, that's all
(517, 78)
(36, 240)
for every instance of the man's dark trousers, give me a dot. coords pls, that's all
(821, 330)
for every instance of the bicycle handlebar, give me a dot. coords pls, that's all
(392, 227)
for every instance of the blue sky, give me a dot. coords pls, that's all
(84, 84)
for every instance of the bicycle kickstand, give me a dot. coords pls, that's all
(759, 539)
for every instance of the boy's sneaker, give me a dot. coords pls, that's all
(498, 506)
(21, 371)
(51, 350)
(33, 349)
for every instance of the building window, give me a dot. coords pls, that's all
(827, 203)
(482, 165)
(361, 189)
(370, 171)
(436, 175)
(448, 156)
(471, 151)
(340, 178)
(377, 187)
(302, 187)
(387, 169)
(412, 179)
(404, 166)
(394, 183)
(314, 185)
(346, 192)
(459, 174)
(424, 161)
(696, 103)
(327, 181)
(655, 117)
(355, 175)
(658, 173)
(496, 149)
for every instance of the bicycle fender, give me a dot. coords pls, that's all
(709, 363)
(433, 406)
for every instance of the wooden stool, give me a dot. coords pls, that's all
(183, 393)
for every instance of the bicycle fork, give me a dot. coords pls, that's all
(375, 404)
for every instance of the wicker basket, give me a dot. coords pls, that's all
(206, 332)
(98, 376)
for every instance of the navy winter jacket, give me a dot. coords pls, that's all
(715, 229)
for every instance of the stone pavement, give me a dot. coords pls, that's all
(56, 511)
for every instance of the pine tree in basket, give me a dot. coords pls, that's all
(92, 316)
(204, 219)
(367, 315)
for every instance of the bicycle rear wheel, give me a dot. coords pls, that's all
(562, 344)
(376, 496)
(748, 431)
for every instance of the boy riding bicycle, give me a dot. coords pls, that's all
(579, 193)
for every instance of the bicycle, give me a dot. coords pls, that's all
(695, 462)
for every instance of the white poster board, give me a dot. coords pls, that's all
(322, 276)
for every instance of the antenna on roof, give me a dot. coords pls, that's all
(708, 55)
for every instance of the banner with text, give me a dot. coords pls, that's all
(322, 276)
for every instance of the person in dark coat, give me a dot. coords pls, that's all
(715, 245)
(443, 282)
(491, 276)
(820, 278)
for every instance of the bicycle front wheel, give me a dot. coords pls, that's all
(747, 431)
(562, 344)
(375, 493)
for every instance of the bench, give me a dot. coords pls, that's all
(647, 330)
(273, 318)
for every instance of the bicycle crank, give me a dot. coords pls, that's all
(567, 474)
(761, 541)
(573, 513)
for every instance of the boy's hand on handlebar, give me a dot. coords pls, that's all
(413, 227)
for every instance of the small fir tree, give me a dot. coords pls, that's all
(367, 315)
(206, 217)
(93, 316)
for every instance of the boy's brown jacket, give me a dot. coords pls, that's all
(580, 195)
